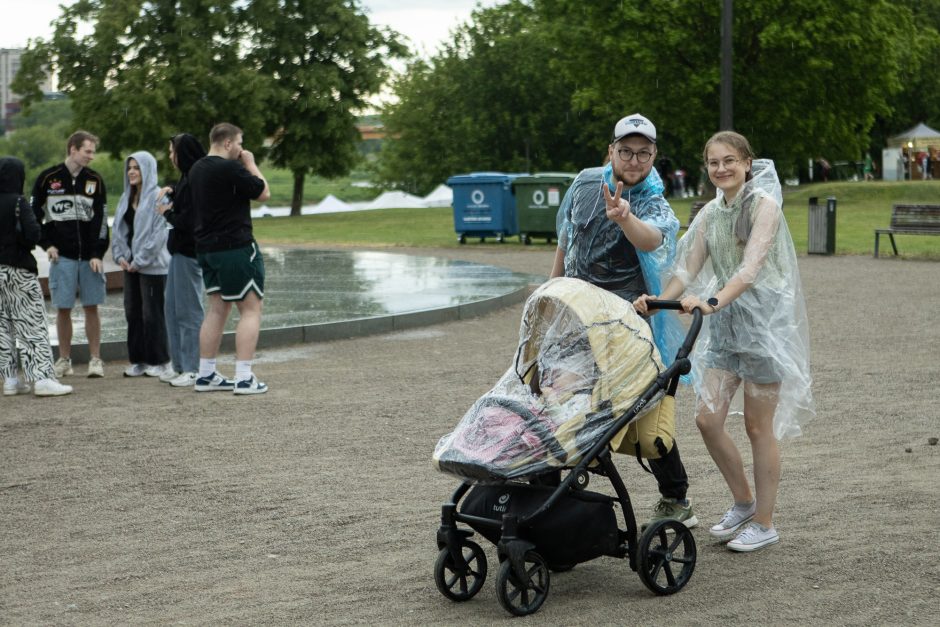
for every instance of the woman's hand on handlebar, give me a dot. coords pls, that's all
(640, 303)
(691, 302)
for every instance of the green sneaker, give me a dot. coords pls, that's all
(671, 509)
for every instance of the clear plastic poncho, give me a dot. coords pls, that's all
(763, 335)
(584, 358)
(597, 251)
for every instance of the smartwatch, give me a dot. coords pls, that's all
(713, 303)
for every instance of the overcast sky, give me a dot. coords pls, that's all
(424, 22)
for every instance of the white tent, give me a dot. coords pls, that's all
(920, 136)
(330, 204)
(442, 196)
(396, 200)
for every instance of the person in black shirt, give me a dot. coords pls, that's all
(22, 310)
(184, 312)
(223, 184)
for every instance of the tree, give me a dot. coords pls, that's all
(487, 101)
(149, 69)
(809, 75)
(325, 59)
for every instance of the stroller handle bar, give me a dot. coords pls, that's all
(694, 328)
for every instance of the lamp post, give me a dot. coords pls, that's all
(727, 93)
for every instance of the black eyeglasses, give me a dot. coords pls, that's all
(641, 157)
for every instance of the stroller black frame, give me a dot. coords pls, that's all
(523, 578)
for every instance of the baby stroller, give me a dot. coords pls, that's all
(585, 375)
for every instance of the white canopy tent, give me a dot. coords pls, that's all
(441, 196)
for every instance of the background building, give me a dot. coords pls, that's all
(9, 102)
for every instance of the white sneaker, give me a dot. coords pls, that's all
(213, 383)
(95, 368)
(156, 371)
(135, 370)
(184, 379)
(733, 519)
(51, 387)
(169, 374)
(63, 367)
(250, 386)
(15, 387)
(755, 536)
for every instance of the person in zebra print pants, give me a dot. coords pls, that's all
(22, 309)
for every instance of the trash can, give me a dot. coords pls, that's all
(484, 205)
(537, 200)
(822, 227)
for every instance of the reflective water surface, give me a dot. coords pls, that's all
(309, 287)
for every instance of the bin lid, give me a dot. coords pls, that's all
(476, 178)
(546, 177)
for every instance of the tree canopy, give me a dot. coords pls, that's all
(289, 70)
(811, 77)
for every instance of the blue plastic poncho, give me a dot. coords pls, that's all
(597, 251)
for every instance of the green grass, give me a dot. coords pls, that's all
(861, 208)
(316, 189)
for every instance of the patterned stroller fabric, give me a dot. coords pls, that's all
(583, 360)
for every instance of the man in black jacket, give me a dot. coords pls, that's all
(69, 200)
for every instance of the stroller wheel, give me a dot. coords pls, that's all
(460, 582)
(666, 554)
(522, 598)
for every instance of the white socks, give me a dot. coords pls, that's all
(242, 370)
(206, 367)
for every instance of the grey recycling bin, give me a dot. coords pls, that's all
(822, 227)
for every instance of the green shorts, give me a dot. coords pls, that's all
(233, 273)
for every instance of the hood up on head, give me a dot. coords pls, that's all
(12, 175)
(188, 151)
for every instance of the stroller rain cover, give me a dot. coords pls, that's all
(584, 358)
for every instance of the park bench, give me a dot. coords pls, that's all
(910, 220)
(696, 207)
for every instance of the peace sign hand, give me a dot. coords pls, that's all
(617, 208)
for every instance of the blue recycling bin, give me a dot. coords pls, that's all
(484, 205)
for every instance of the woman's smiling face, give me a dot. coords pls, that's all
(727, 169)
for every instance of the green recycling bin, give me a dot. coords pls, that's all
(538, 198)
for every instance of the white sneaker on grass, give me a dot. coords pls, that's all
(755, 536)
(733, 519)
(135, 370)
(169, 374)
(12, 388)
(95, 368)
(250, 386)
(184, 379)
(51, 387)
(63, 367)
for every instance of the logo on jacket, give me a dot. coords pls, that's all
(90, 187)
(61, 208)
(55, 185)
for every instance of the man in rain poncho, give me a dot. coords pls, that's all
(617, 231)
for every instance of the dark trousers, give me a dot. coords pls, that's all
(146, 322)
(670, 474)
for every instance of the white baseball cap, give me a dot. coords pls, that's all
(634, 124)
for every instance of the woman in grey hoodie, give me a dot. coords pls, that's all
(139, 247)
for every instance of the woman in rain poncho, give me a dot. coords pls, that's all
(738, 255)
